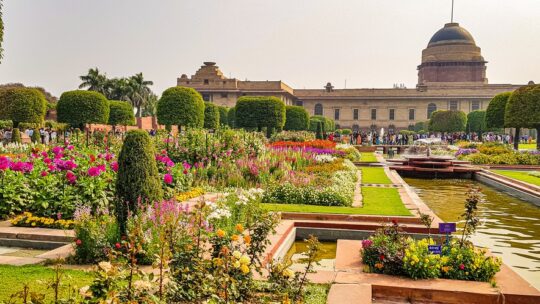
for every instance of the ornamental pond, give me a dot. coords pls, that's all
(509, 227)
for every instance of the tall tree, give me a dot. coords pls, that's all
(140, 91)
(523, 111)
(94, 81)
(1, 32)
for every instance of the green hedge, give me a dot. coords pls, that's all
(36, 136)
(231, 117)
(448, 121)
(6, 124)
(121, 113)
(223, 115)
(16, 136)
(211, 116)
(78, 108)
(495, 111)
(21, 104)
(257, 112)
(181, 106)
(476, 121)
(523, 108)
(328, 124)
(297, 118)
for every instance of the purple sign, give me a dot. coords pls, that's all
(447, 227)
(434, 249)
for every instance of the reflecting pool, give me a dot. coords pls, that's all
(509, 227)
(325, 259)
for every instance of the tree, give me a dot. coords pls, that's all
(476, 121)
(319, 133)
(121, 113)
(1, 32)
(150, 106)
(139, 92)
(297, 118)
(182, 107)
(231, 117)
(78, 108)
(21, 104)
(211, 116)
(138, 179)
(421, 126)
(495, 111)
(448, 121)
(94, 81)
(223, 115)
(258, 112)
(36, 136)
(523, 111)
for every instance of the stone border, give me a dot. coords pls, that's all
(520, 189)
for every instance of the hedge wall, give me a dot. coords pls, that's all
(223, 117)
(211, 116)
(296, 118)
(181, 106)
(121, 113)
(476, 121)
(328, 124)
(78, 108)
(257, 112)
(448, 121)
(21, 104)
(495, 111)
(231, 117)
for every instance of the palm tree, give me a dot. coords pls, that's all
(94, 81)
(140, 92)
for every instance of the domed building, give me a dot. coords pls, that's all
(451, 76)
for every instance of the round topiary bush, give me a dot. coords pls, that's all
(257, 112)
(523, 110)
(448, 121)
(297, 118)
(181, 107)
(223, 115)
(16, 136)
(476, 121)
(121, 113)
(78, 108)
(21, 104)
(495, 111)
(138, 178)
(211, 116)
(328, 124)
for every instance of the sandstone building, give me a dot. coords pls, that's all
(451, 76)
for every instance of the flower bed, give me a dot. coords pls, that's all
(27, 219)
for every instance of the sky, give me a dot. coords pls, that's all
(305, 43)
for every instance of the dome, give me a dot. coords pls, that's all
(451, 33)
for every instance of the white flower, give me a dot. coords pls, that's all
(324, 158)
(142, 285)
(105, 266)
(84, 292)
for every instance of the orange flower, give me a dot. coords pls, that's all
(247, 239)
(234, 237)
(224, 250)
(239, 228)
(220, 233)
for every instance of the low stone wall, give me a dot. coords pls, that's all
(509, 186)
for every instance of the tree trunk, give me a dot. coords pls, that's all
(516, 139)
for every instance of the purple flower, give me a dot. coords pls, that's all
(65, 164)
(5, 163)
(367, 243)
(168, 179)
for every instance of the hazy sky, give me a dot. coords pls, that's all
(305, 43)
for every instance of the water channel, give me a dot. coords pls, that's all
(510, 227)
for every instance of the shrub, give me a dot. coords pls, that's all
(346, 131)
(495, 111)
(78, 108)
(138, 179)
(21, 104)
(211, 116)
(319, 133)
(297, 118)
(476, 121)
(16, 136)
(448, 121)
(223, 118)
(383, 252)
(121, 113)
(36, 136)
(258, 112)
(328, 124)
(296, 136)
(468, 263)
(6, 124)
(28, 125)
(231, 117)
(419, 263)
(181, 107)
(95, 236)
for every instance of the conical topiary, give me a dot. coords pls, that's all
(16, 136)
(138, 178)
(36, 137)
(319, 134)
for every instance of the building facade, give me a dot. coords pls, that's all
(451, 76)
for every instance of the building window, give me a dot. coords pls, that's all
(430, 109)
(299, 103)
(391, 114)
(336, 114)
(318, 109)
(206, 81)
(355, 114)
(411, 114)
(224, 95)
(373, 114)
(453, 105)
(475, 105)
(206, 97)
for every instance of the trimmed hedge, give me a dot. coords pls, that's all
(36, 136)
(78, 108)
(5, 124)
(121, 113)
(231, 117)
(21, 104)
(495, 111)
(257, 112)
(223, 115)
(297, 118)
(523, 110)
(448, 121)
(16, 136)
(328, 124)
(138, 177)
(181, 106)
(211, 116)
(476, 121)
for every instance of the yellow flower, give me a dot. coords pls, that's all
(244, 268)
(288, 273)
(236, 264)
(220, 233)
(245, 260)
(239, 228)
(234, 238)
(426, 261)
(237, 254)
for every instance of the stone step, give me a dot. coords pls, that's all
(349, 294)
(33, 244)
(37, 234)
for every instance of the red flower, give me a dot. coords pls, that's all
(394, 222)
(117, 245)
(78, 242)
(461, 266)
(381, 257)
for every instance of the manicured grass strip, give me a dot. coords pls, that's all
(383, 201)
(527, 146)
(374, 175)
(368, 157)
(520, 175)
(14, 278)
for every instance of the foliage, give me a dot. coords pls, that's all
(509, 158)
(319, 133)
(231, 117)
(138, 179)
(419, 263)
(95, 235)
(211, 116)
(299, 136)
(328, 124)
(476, 121)
(421, 126)
(78, 108)
(21, 104)
(297, 118)
(447, 121)
(1, 33)
(16, 136)
(468, 263)
(318, 143)
(6, 124)
(258, 112)
(470, 215)
(223, 118)
(27, 219)
(384, 251)
(182, 107)
(495, 111)
(523, 108)
(121, 113)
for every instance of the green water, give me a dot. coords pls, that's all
(325, 259)
(509, 227)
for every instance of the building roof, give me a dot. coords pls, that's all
(452, 33)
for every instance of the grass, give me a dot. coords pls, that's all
(368, 157)
(37, 277)
(374, 175)
(520, 175)
(316, 293)
(527, 146)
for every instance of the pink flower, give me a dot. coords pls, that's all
(114, 166)
(44, 173)
(367, 243)
(168, 179)
(5, 163)
(44, 154)
(57, 150)
(117, 245)
(94, 171)
(72, 178)
(102, 168)
(70, 147)
(78, 242)
(186, 166)
(23, 167)
(461, 266)
(47, 160)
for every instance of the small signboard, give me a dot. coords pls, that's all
(447, 227)
(434, 249)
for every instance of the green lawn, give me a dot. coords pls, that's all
(520, 175)
(14, 278)
(374, 175)
(527, 146)
(368, 157)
